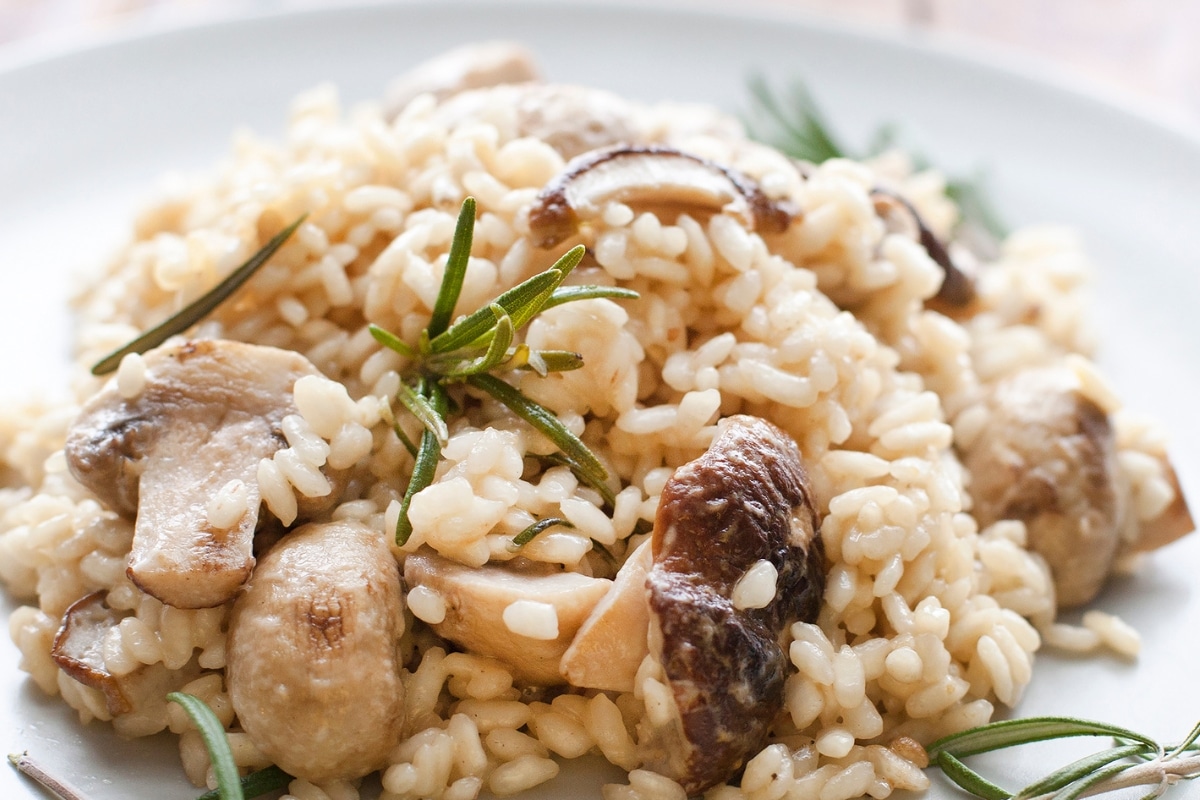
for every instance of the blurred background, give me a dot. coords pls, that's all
(1142, 51)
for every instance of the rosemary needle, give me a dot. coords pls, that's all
(201, 307)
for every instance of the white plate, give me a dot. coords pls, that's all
(84, 135)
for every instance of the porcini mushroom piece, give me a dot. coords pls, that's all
(746, 500)
(571, 119)
(472, 66)
(477, 598)
(314, 669)
(78, 651)
(611, 643)
(649, 176)
(1173, 523)
(209, 411)
(957, 291)
(1047, 457)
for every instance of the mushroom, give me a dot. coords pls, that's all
(726, 522)
(521, 612)
(649, 176)
(78, 650)
(471, 66)
(207, 414)
(957, 291)
(570, 119)
(611, 643)
(314, 668)
(1047, 457)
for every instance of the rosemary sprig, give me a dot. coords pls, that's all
(212, 732)
(199, 308)
(256, 783)
(529, 534)
(473, 348)
(1133, 760)
(794, 124)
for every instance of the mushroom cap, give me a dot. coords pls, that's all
(1047, 457)
(746, 500)
(208, 412)
(472, 66)
(314, 668)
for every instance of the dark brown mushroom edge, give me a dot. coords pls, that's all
(715, 683)
(650, 177)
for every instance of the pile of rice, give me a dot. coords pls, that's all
(928, 622)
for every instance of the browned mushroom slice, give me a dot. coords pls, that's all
(744, 502)
(1047, 457)
(957, 291)
(522, 612)
(78, 651)
(209, 411)
(1173, 523)
(314, 668)
(471, 66)
(652, 177)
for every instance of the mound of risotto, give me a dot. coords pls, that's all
(774, 484)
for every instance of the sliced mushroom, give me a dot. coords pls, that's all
(477, 599)
(747, 500)
(611, 643)
(78, 651)
(1173, 523)
(208, 413)
(471, 66)
(1047, 457)
(314, 669)
(957, 291)
(649, 176)
(570, 119)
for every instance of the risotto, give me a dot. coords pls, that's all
(846, 471)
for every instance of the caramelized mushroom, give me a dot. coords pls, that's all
(957, 291)
(78, 651)
(477, 599)
(209, 411)
(314, 669)
(649, 176)
(1047, 457)
(471, 66)
(745, 501)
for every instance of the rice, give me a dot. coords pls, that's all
(929, 619)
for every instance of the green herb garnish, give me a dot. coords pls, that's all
(794, 124)
(212, 732)
(526, 536)
(198, 309)
(256, 783)
(471, 350)
(1133, 760)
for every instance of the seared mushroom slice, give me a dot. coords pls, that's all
(78, 651)
(472, 66)
(611, 643)
(1047, 457)
(744, 502)
(314, 669)
(957, 291)
(208, 412)
(486, 606)
(649, 176)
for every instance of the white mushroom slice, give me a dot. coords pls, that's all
(472, 66)
(314, 668)
(477, 597)
(654, 177)
(611, 643)
(78, 651)
(208, 413)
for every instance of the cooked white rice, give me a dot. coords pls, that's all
(928, 622)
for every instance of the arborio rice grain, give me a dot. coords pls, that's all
(823, 328)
